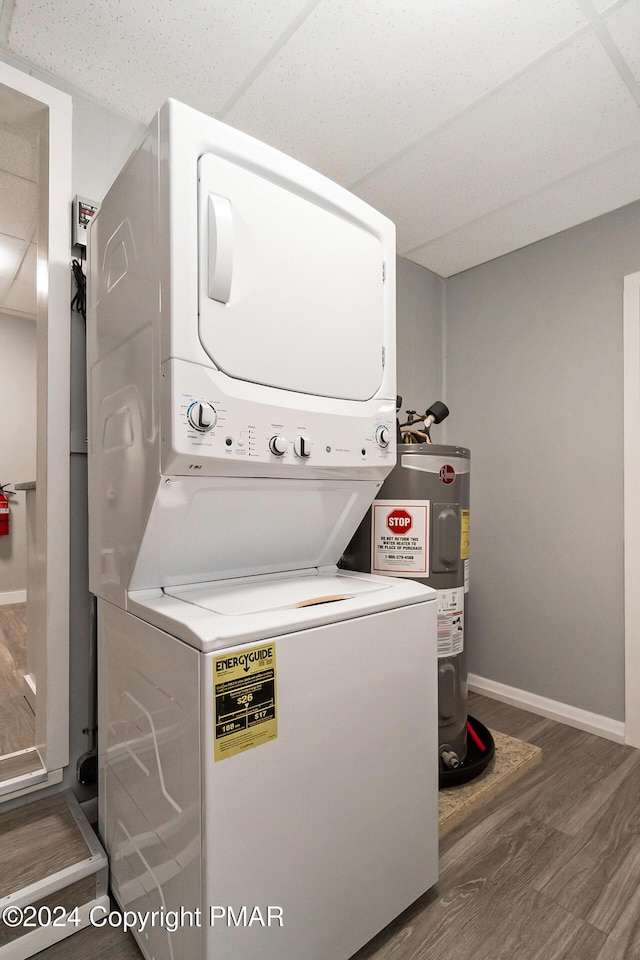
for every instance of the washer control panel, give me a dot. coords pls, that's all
(207, 424)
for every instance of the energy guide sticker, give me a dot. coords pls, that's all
(244, 691)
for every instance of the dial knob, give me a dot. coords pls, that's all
(278, 445)
(382, 436)
(302, 447)
(202, 416)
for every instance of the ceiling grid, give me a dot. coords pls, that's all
(478, 126)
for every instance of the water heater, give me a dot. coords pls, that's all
(418, 527)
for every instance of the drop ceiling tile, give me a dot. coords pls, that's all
(624, 26)
(18, 204)
(18, 151)
(601, 5)
(564, 113)
(148, 50)
(360, 81)
(21, 297)
(603, 186)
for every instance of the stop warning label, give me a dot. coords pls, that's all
(400, 538)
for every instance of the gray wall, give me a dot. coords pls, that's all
(534, 377)
(18, 447)
(419, 304)
(102, 142)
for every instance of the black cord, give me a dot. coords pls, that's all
(79, 302)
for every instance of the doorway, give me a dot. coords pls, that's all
(35, 191)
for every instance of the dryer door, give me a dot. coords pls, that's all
(290, 291)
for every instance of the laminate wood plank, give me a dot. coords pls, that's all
(529, 927)
(37, 840)
(484, 907)
(608, 777)
(508, 852)
(13, 632)
(98, 943)
(501, 845)
(74, 895)
(600, 875)
(23, 763)
(624, 939)
(581, 784)
(480, 876)
(17, 722)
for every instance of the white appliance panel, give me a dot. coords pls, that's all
(338, 815)
(290, 288)
(334, 821)
(211, 528)
(149, 777)
(341, 439)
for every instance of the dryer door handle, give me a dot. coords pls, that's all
(220, 253)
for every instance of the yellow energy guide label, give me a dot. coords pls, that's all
(244, 690)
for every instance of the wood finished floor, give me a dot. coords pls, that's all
(17, 722)
(547, 870)
(38, 840)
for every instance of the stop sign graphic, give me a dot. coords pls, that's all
(399, 521)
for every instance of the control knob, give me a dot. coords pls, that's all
(382, 436)
(278, 445)
(302, 447)
(202, 416)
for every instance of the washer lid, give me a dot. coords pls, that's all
(214, 616)
(290, 287)
(292, 594)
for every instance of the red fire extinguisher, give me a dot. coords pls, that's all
(5, 517)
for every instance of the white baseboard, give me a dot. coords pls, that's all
(552, 709)
(13, 596)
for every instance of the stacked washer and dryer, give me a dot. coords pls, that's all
(267, 722)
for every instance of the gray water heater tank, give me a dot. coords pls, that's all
(418, 527)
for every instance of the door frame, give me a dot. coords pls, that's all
(631, 368)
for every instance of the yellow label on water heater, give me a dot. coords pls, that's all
(244, 695)
(464, 534)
